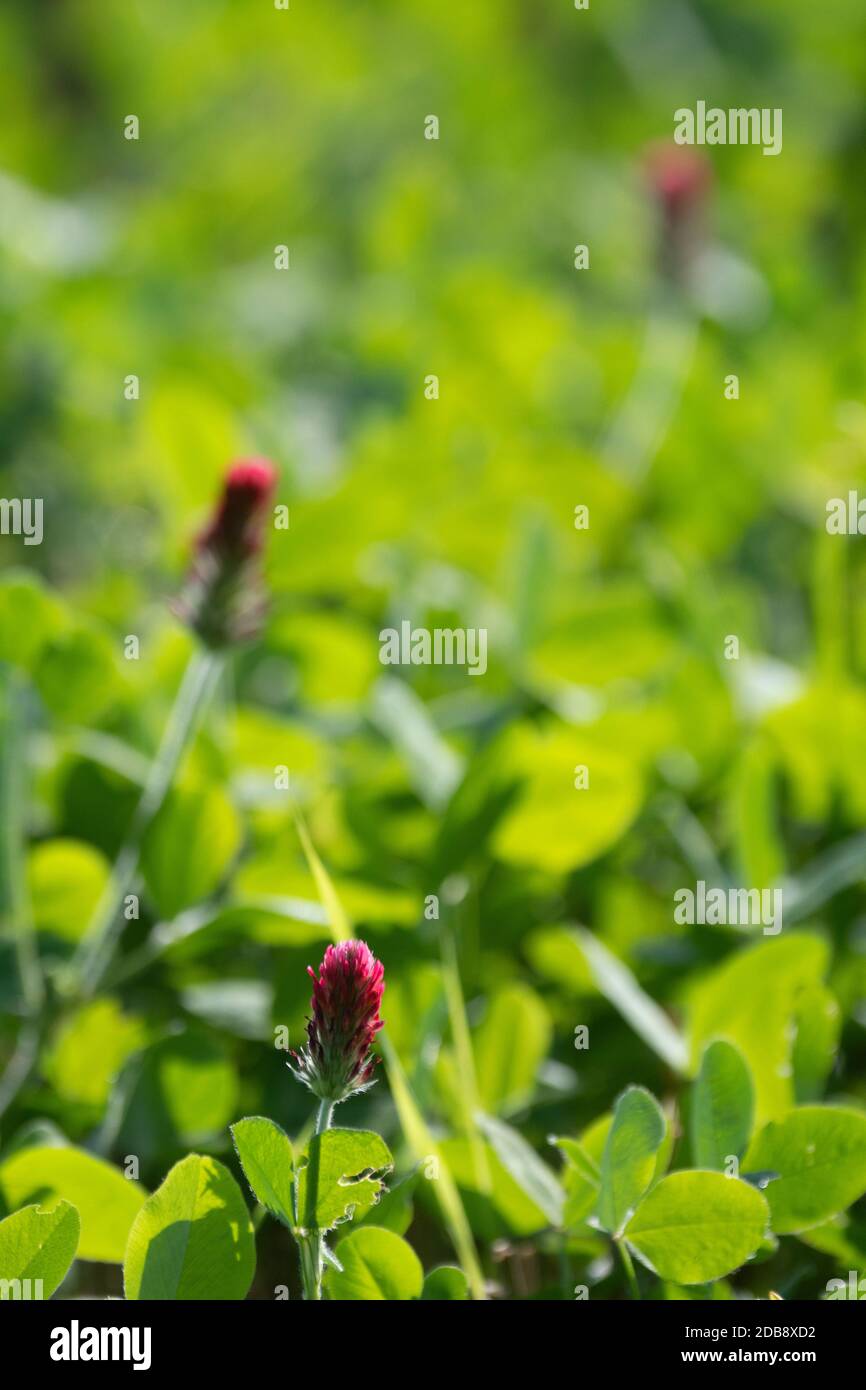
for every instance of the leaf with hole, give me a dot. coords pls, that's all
(338, 1177)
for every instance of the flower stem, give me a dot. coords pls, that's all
(310, 1246)
(97, 945)
(643, 417)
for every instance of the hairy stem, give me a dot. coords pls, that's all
(310, 1246)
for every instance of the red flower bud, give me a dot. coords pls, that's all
(680, 180)
(221, 598)
(336, 1060)
(236, 528)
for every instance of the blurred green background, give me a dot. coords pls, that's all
(558, 387)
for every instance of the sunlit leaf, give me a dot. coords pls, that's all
(192, 1239)
(107, 1202)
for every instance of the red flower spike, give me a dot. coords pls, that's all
(222, 598)
(336, 1061)
(236, 528)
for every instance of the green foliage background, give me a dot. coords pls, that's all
(558, 388)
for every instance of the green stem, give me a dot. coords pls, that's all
(564, 1268)
(310, 1246)
(14, 904)
(470, 1102)
(98, 943)
(14, 899)
(20, 1064)
(644, 416)
(628, 1266)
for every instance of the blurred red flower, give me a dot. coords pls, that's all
(222, 598)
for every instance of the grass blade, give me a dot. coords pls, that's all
(621, 989)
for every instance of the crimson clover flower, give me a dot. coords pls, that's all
(680, 180)
(222, 598)
(336, 1060)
